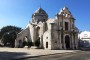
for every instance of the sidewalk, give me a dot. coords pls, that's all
(18, 53)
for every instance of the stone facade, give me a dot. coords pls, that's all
(54, 33)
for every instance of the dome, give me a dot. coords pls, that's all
(39, 16)
(40, 10)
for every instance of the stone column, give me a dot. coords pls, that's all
(29, 35)
(72, 41)
(64, 45)
(70, 37)
(42, 30)
(16, 43)
(51, 35)
(41, 41)
(76, 41)
(33, 33)
(60, 41)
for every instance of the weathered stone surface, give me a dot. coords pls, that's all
(54, 33)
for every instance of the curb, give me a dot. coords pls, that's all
(33, 56)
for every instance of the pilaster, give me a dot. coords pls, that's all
(60, 41)
(76, 41)
(72, 41)
(64, 45)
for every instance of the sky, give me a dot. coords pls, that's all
(19, 12)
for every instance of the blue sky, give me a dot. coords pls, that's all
(19, 12)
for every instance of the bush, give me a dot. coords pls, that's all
(37, 42)
(24, 43)
(29, 44)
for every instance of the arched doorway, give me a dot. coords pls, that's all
(38, 31)
(46, 44)
(67, 42)
(37, 42)
(20, 44)
(25, 40)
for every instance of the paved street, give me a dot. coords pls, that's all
(40, 54)
(77, 56)
(17, 53)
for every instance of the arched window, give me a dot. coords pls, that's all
(66, 25)
(38, 31)
(43, 20)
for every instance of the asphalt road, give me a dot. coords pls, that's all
(85, 55)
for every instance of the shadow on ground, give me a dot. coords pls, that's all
(5, 55)
(84, 49)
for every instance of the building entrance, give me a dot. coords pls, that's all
(67, 42)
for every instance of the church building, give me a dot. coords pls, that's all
(53, 33)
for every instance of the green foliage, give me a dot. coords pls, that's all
(5, 39)
(37, 42)
(9, 34)
(8, 29)
(29, 44)
(24, 43)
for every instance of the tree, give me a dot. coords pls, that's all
(9, 34)
(5, 39)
